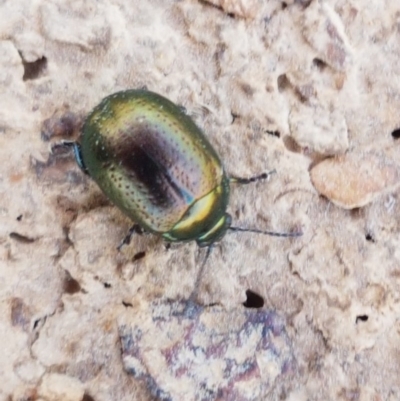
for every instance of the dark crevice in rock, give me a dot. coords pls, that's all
(369, 237)
(87, 397)
(70, 285)
(34, 69)
(21, 238)
(361, 318)
(320, 64)
(274, 133)
(138, 256)
(396, 133)
(253, 300)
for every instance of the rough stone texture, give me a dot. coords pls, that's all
(275, 85)
(184, 352)
(319, 130)
(354, 180)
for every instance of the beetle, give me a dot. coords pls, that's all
(156, 165)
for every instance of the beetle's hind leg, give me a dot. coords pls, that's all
(260, 177)
(135, 229)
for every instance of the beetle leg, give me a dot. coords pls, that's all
(76, 147)
(193, 295)
(135, 229)
(241, 180)
(297, 233)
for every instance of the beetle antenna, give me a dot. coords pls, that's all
(272, 233)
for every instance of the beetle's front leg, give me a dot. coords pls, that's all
(240, 180)
(135, 229)
(76, 147)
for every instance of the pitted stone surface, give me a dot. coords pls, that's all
(308, 88)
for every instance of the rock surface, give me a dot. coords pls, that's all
(184, 352)
(308, 88)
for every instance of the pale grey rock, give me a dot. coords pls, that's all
(324, 30)
(319, 130)
(186, 352)
(29, 371)
(56, 387)
(63, 285)
(81, 23)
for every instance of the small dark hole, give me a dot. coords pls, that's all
(396, 133)
(291, 144)
(87, 397)
(107, 285)
(234, 117)
(34, 69)
(36, 323)
(283, 82)
(370, 238)
(70, 285)
(362, 318)
(284, 5)
(167, 246)
(127, 304)
(19, 218)
(274, 133)
(138, 256)
(319, 63)
(253, 300)
(356, 213)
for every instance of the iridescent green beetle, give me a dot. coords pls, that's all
(156, 165)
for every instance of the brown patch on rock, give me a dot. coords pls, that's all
(354, 180)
